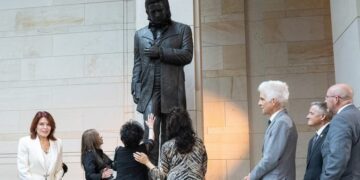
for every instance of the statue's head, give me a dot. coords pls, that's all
(158, 11)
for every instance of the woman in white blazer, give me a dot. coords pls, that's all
(40, 154)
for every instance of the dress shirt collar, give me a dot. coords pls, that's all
(274, 115)
(318, 132)
(342, 108)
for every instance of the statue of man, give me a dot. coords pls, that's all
(161, 50)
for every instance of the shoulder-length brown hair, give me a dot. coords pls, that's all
(90, 142)
(35, 121)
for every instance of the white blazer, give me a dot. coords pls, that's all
(31, 162)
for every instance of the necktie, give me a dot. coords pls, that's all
(314, 140)
(157, 37)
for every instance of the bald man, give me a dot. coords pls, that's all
(341, 148)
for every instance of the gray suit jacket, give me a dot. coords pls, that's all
(278, 161)
(341, 148)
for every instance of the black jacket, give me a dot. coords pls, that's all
(126, 166)
(93, 167)
(314, 157)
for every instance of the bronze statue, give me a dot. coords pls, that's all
(161, 50)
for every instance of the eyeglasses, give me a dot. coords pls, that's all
(326, 97)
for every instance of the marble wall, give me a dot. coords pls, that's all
(72, 58)
(225, 87)
(345, 18)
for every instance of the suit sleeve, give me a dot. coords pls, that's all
(90, 167)
(23, 160)
(59, 172)
(180, 56)
(135, 84)
(275, 146)
(338, 153)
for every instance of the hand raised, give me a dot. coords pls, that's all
(150, 120)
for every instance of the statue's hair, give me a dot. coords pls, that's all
(166, 4)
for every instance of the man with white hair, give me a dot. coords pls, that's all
(341, 148)
(278, 156)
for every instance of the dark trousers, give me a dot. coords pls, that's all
(159, 126)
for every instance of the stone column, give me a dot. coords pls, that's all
(345, 20)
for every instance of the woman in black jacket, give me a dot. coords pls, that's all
(131, 135)
(97, 165)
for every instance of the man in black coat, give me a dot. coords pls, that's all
(318, 118)
(161, 51)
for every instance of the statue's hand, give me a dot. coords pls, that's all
(152, 52)
(136, 100)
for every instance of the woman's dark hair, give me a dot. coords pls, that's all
(35, 121)
(165, 3)
(180, 128)
(131, 134)
(90, 143)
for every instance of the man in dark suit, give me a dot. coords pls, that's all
(280, 139)
(318, 118)
(341, 148)
(161, 50)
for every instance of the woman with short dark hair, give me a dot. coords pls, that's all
(131, 135)
(183, 156)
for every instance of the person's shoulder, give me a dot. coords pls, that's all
(199, 140)
(26, 139)
(145, 28)
(58, 141)
(89, 154)
(284, 117)
(169, 143)
(349, 110)
(119, 149)
(179, 24)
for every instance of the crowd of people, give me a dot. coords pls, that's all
(167, 147)
(183, 156)
(333, 152)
